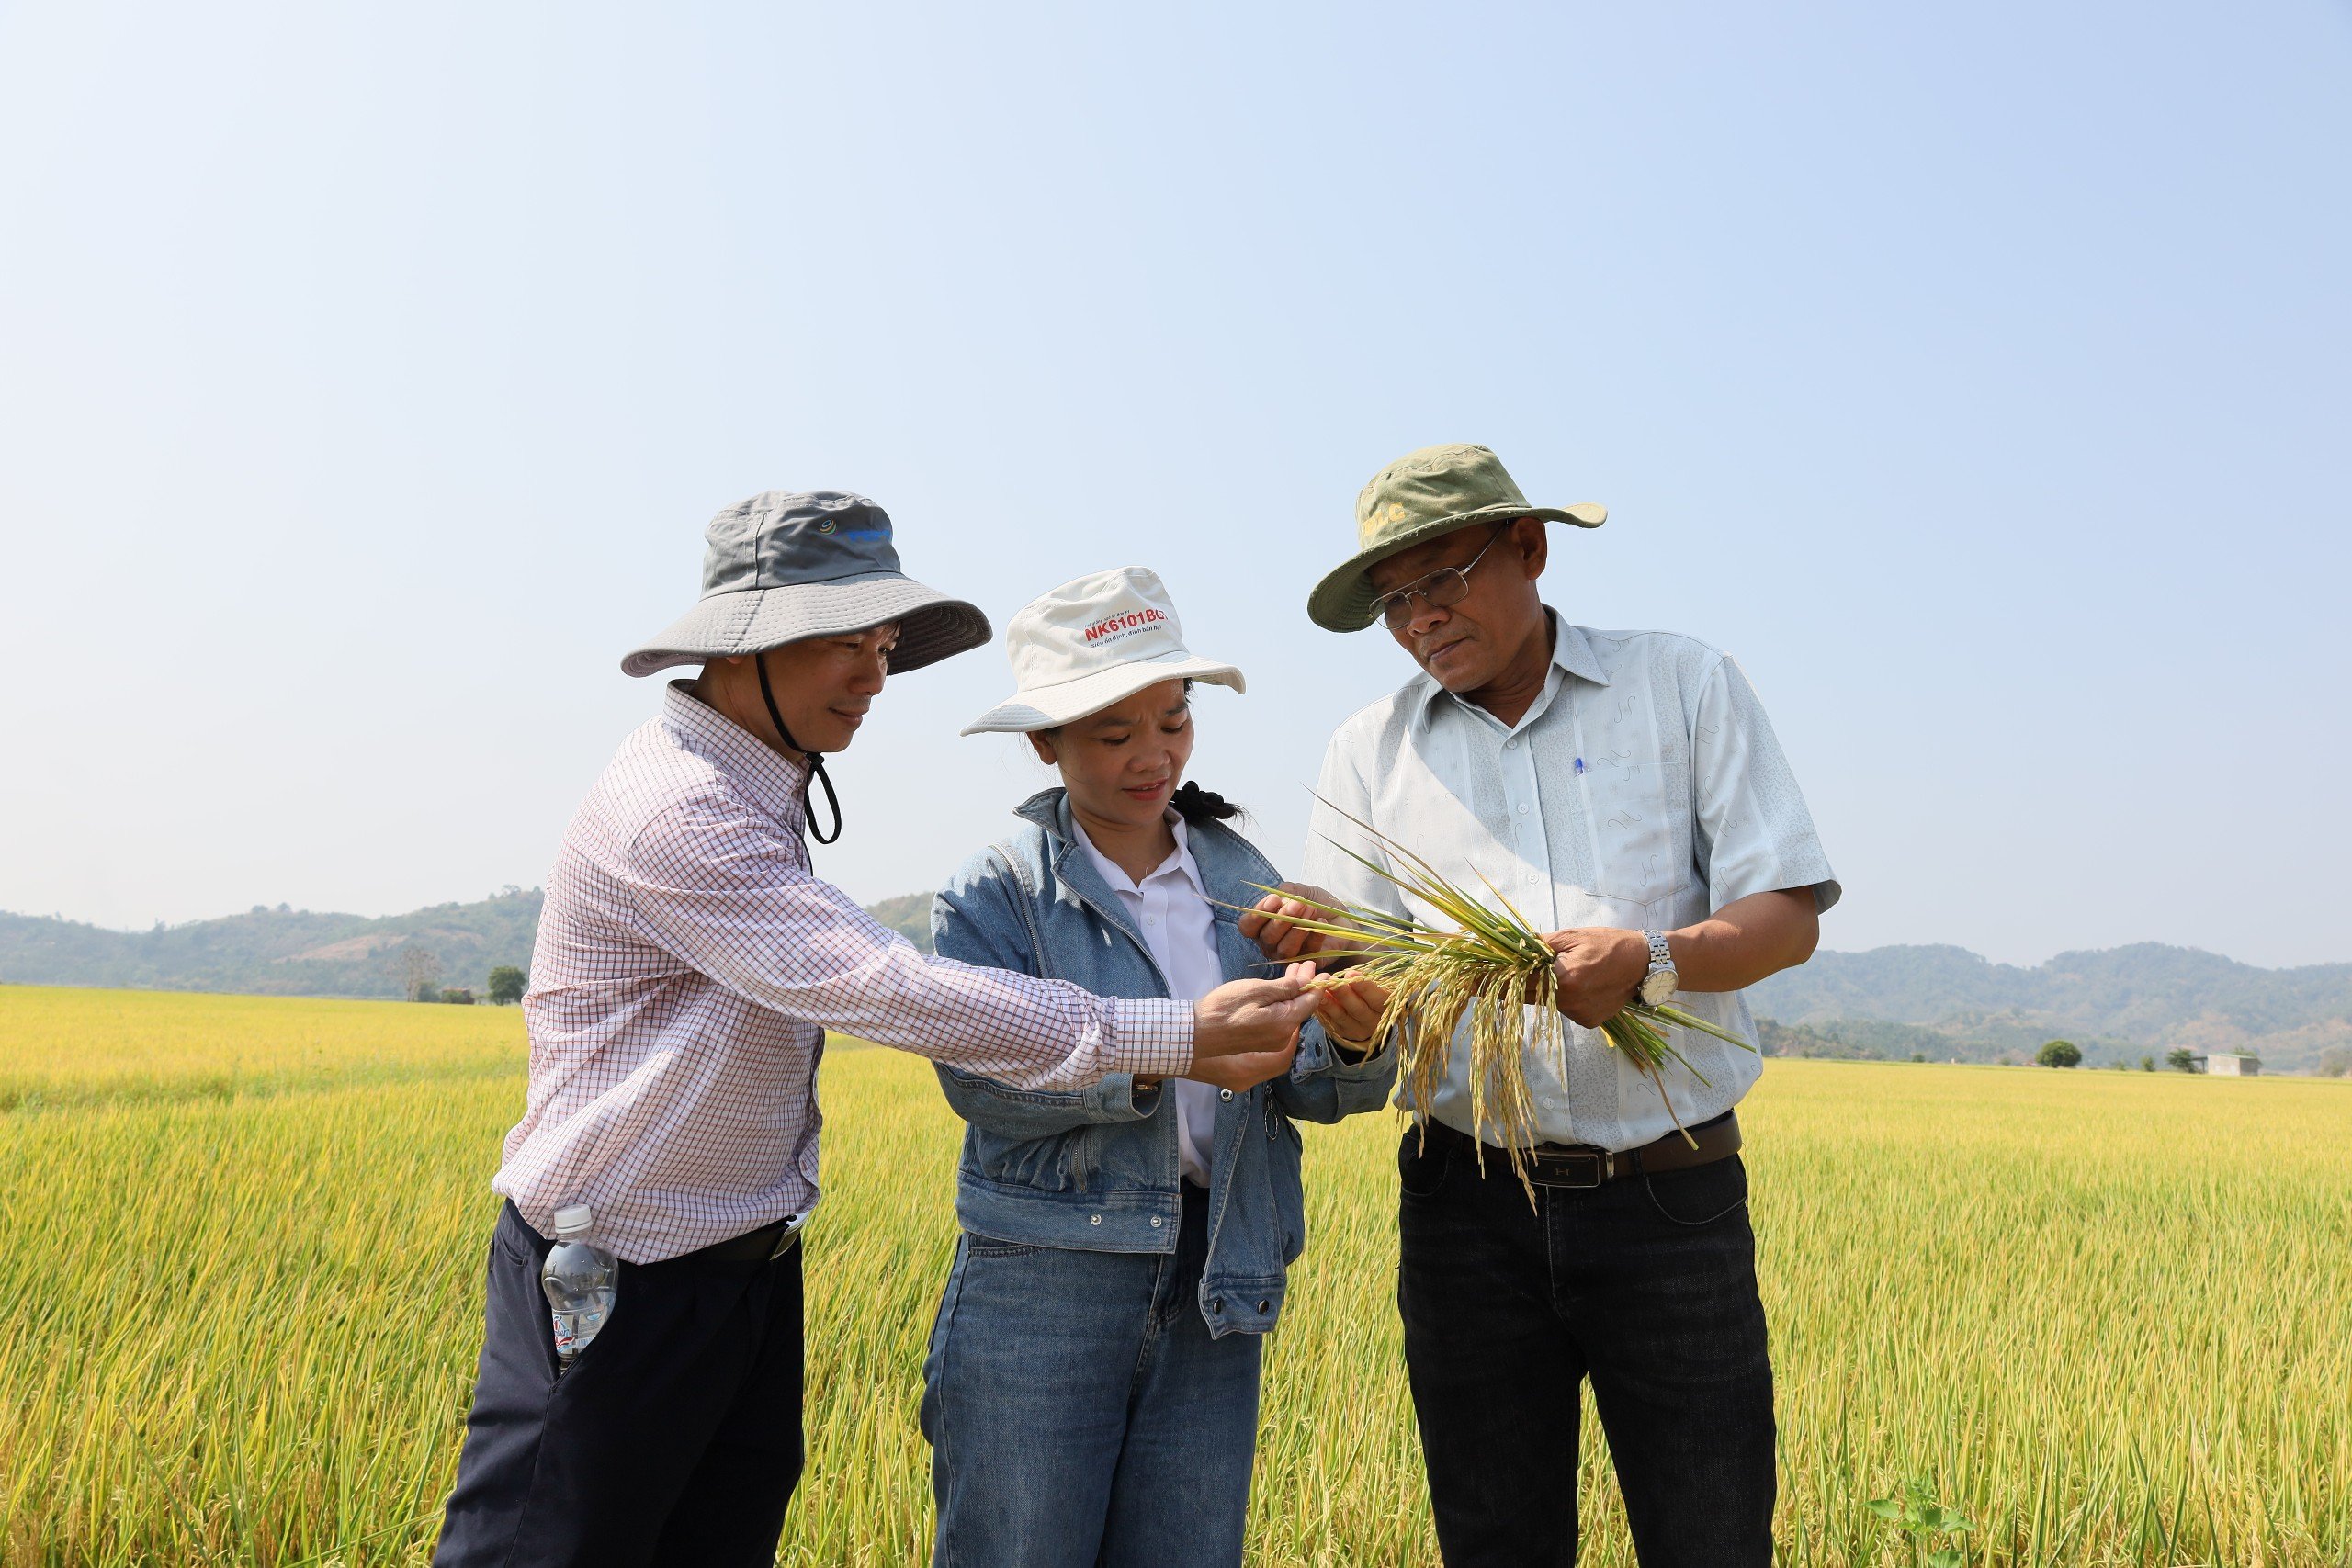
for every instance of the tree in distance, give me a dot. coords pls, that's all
(2334, 1062)
(505, 986)
(2147, 1064)
(461, 995)
(2181, 1059)
(2059, 1054)
(420, 974)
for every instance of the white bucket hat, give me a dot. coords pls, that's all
(1095, 640)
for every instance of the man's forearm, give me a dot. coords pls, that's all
(1601, 968)
(1745, 941)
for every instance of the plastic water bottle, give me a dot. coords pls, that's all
(578, 1278)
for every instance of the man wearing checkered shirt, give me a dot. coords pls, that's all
(689, 960)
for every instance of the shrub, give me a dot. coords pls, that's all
(2059, 1054)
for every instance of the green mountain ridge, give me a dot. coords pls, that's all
(1937, 1001)
(2117, 1003)
(284, 952)
(278, 951)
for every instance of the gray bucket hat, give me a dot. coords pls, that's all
(1419, 496)
(792, 564)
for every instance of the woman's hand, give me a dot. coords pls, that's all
(1269, 925)
(1351, 1015)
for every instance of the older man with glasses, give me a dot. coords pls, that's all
(1626, 788)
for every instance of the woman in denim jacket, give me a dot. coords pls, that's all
(1092, 1391)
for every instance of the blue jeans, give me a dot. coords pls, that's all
(1078, 1413)
(1646, 1287)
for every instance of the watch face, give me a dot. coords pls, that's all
(1658, 984)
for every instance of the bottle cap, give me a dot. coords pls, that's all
(573, 1218)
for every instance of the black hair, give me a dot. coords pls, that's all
(1194, 803)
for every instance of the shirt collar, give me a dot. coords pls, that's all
(1571, 652)
(769, 780)
(1116, 876)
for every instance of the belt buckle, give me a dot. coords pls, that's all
(1584, 1169)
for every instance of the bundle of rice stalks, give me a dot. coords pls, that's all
(1493, 966)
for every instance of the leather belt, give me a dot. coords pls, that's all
(762, 1245)
(1585, 1164)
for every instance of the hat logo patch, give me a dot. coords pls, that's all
(1117, 628)
(826, 525)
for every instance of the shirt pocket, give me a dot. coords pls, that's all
(1630, 813)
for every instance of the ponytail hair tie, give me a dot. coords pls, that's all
(1194, 803)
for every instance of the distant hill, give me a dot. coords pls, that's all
(909, 914)
(284, 952)
(1897, 1002)
(2123, 1002)
(277, 951)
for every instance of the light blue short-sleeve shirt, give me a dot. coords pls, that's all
(1645, 790)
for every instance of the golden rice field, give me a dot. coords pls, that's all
(2109, 1316)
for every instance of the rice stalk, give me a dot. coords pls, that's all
(1495, 966)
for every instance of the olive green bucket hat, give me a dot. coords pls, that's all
(1417, 498)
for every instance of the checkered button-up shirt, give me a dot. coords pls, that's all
(689, 960)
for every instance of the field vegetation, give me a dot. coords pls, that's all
(2107, 1317)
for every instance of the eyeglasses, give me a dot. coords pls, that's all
(1445, 586)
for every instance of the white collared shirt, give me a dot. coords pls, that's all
(1644, 790)
(1171, 907)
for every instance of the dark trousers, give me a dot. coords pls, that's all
(672, 1439)
(1645, 1285)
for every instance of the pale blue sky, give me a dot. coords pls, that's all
(1979, 375)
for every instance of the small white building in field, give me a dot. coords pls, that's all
(2231, 1065)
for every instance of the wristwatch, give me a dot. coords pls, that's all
(1658, 985)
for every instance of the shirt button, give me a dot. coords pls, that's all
(1217, 1304)
(1263, 1306)
(1151, 920)
(1510, 745)
(1093, 1219)
(1523, 809)
(1225, 1094)
(1154, 1222)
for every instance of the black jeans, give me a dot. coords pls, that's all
(674, 1439)
(1646, 1285)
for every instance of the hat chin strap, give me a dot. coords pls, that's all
(816, 759)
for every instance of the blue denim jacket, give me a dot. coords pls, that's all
(1098, 1169)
